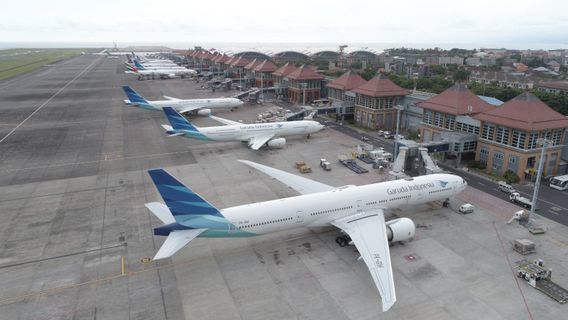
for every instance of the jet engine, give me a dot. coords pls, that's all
(402, 229)
(204, 112)
(278, 143)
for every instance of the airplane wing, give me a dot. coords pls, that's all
(300, 184)
(171, 98)
(368, 232)
(256, 142)
(224, 121)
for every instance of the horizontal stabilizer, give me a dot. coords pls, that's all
(175, 241)
(161, 211)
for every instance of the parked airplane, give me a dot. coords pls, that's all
(357, 210)
(202, 106)
(139, 66)
(256, 135)
(161, 73)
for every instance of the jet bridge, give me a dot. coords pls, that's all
(413, 159)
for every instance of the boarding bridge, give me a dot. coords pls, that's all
(412, 161)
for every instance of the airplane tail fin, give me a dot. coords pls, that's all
(138, 65)
(181, 201)
(134, 97)
(177, 121)
(131, 67)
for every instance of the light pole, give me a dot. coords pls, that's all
(304, 85)
(544, 143)
(398, 108)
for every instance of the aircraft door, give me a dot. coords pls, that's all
(232, 228)
(299, 216)
(359, 207)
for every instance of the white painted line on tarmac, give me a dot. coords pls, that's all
(480, 183)
(48, 100)
(107, 158)
(555, 213)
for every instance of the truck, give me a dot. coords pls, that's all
(516, 197)
(541, 279)
(326, 165)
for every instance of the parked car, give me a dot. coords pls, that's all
(505, 187)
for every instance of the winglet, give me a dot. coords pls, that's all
(177, 121)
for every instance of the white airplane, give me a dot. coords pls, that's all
(201, 106)
(256, 135)
(161, 73)
(356, 210)
(139, 66)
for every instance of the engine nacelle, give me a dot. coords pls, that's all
(204, 112)
(278, 143)
(402, 229)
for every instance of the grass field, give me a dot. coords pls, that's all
(16, 61)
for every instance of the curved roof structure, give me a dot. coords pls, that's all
(250, 55)
(325, 55)
(291, 56)
(362, 54)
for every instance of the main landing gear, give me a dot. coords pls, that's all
(446, 203)
(343, 240)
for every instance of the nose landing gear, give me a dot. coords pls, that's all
(343, 240)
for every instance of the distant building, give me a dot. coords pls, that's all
(339, 91)
(502, 79)
(375, 102)
(558, 87)
(304, 85)
(263, 76)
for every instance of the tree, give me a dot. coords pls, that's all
(368, 73)
(461, 75)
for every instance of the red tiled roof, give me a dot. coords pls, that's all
(230, 60)
(347, 81)
(456, 100)
(252, 64)
(266, 66)
(284, 70)
(222, 58)
(305, 73)
(239, 62)
(380, 86)
(525, 112)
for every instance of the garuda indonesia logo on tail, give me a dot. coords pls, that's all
(443, 184)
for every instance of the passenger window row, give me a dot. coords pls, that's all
(265, 223)
(400, 198)
(441, 190)
(329, 211)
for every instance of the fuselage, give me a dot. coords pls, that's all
(319, 209)
(212, 103)
(244, 132)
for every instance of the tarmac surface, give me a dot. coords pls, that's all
(74, 231)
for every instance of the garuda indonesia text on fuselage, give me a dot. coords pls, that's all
(357, 210)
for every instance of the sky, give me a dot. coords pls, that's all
(522, 24)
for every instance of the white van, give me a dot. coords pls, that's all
(505, 187)
(466, 208)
